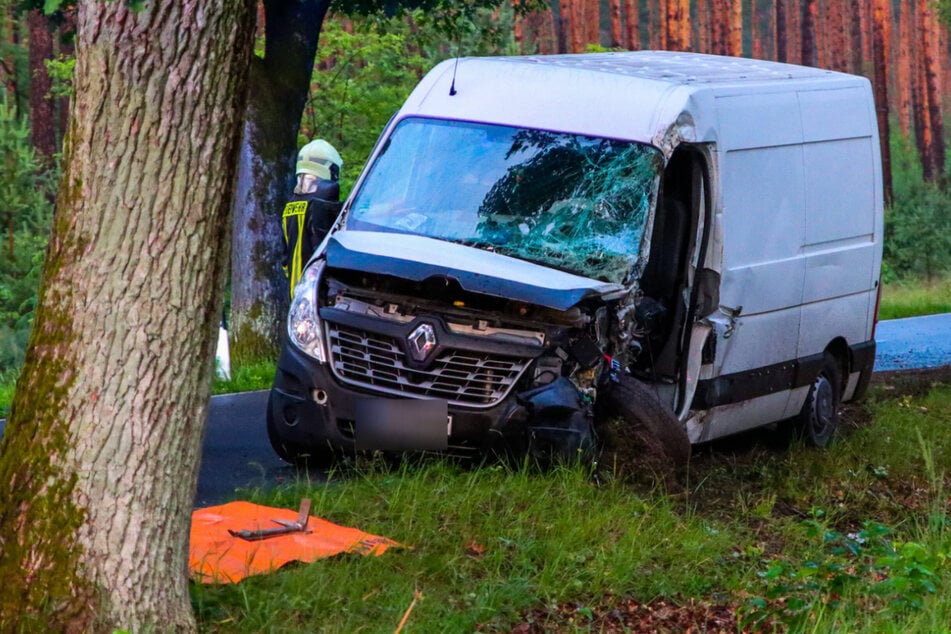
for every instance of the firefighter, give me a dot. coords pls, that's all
(315, 205)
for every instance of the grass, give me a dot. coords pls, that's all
(761, 533)
(911, 298)
(245, 378)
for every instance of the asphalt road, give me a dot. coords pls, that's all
(237, 454)
(913, 343)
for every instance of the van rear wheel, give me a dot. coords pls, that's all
(818, 420)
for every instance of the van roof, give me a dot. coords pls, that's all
(647, 96)
(676, 67)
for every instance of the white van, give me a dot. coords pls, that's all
(532, 232)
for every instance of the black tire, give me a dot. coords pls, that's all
(298, 455)
(818, 421)
(639, 431)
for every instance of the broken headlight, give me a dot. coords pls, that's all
(303, 325)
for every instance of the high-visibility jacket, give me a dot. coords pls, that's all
(306, 220)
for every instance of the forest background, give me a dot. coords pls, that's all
(366, 66)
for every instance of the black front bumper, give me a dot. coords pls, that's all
(310, 408)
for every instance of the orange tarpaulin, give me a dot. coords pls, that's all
(218, 557)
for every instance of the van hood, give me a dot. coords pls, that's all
(418, 258)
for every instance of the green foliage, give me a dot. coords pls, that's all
(60, 71)
(917, 225)
(862, 572)
(367, 66)
(245, 378)
(25, 214)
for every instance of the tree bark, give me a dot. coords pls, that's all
(592, 19)
(756, 33)
(632, 25)
(929, 50)
(42, 120)
(782, 51)
(617, 37)
(855, 37)
(703, 26)
(903, 80)
(736, 27)
(810, 13)
(99, 460)
(881, 22)
(279, 85)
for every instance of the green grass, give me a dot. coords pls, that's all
(252, 376)
(757, 528)
(911, 298)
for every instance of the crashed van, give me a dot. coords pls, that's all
(695, 238)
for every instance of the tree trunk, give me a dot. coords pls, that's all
(617, 37)
(632, 25)
(592, 19)
(704, 23)
(929, 52)
(810, 13)
(756, 33)
(99, 460)
(564, 26)
(903, 81)
(855, 37)
(782, 51)
(736, 27)
(279, 86)
(42, 121)
(919, 96)
(881, 21)
(793, 32)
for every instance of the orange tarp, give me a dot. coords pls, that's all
(217, 557)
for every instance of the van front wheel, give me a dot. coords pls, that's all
(819, 419)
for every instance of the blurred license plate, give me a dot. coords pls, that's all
(402, 424)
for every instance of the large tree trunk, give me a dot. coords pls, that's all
(881, 24)
(99, 460)
(42, 120)
(279, 86)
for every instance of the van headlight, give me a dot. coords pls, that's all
(303, 325)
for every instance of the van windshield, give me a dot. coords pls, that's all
(571, 202)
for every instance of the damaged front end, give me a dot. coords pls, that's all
(482, 316)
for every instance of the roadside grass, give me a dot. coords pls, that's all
(912, 298)
(855, 538)
(257, 375)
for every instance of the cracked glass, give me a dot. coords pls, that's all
(572, 202)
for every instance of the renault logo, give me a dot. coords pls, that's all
(421, 342)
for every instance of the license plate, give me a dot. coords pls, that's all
(402, 424)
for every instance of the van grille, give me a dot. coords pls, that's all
(463, 377)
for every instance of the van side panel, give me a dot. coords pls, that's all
(762, 270)
(840, 244)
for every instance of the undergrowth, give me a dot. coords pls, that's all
(854, 538)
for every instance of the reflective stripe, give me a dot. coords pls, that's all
(296, 209)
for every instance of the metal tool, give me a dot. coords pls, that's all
(287, 526)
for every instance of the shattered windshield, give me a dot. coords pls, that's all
(567, 201)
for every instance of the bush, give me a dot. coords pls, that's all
(917, 225)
